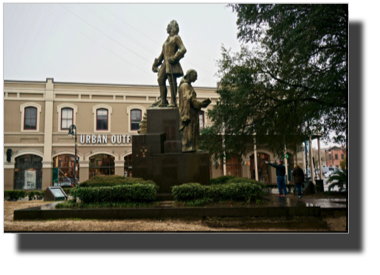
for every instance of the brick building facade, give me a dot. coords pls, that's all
(334, 156)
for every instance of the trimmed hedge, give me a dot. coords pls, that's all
(38, 195)
(68, 190)
(221, 180)
(246, 180)
(218, 192)
(14, 194)
(103, 181)
(121, 193)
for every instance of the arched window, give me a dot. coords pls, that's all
(67, 118)
(63, 172)
(30, 118)
(263, 169)
(135, 119)
(233, 167)
(28, 172)
(101, 165)
(201, 120)
(102, 119)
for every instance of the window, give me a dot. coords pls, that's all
(135, 119)
(342, 156)
(201, 120)
(67, 115)
(101, 119)
(64, 165)
(233, 167)
(30, 119)
(28, 172)
(336, 156)
(101, 165)
(263, 168)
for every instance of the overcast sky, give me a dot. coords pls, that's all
(112, 43)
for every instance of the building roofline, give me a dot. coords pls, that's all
(92, 84)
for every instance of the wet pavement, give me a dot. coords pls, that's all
(293, 201)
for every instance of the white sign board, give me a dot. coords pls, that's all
(30, 180)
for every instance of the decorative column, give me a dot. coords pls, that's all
(304, 159)
(319, 158)
(9, 173)
(256, 164)
(119, 167)
(286, 165)
(47, 163)
(224, 153)
(84, 170)
(311, 160)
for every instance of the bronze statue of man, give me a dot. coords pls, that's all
(189, 108)
(172, 51)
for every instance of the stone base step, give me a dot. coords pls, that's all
(164, 197)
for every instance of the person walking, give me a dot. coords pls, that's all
(299, 178)
(280, 173)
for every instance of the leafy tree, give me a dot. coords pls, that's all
(288, 81)
(343, 163)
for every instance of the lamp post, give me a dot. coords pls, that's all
(72, 134)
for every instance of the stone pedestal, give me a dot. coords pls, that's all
(158, 155)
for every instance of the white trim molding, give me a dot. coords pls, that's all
(26, 152)
(102, 106)
(59, 111)
(98, 152)
(119, 163)
(122, 156)
(38, 121)
(66, 152)
(129, 109)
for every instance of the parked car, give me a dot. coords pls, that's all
(329, 173)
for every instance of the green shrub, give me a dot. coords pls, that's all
(103, 181)
(36, 195)
(67, 190)
(118, 193)
(221, 180)
(245, 180)
(14, 194)
(245, 191)
(189, 191)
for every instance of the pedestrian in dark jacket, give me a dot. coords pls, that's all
(280, 173)
(299, 178)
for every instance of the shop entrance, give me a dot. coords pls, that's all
(263, 169)
(28, 172)
(233, 167)
(101, 165)
(63, 172)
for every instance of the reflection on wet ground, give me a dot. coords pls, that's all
(273, 201)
